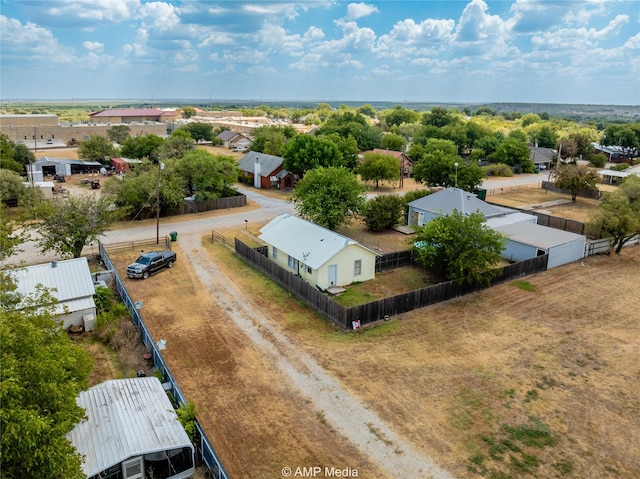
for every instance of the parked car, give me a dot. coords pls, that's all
(150, 263)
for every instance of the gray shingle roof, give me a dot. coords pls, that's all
(268, 163)
(445, 201)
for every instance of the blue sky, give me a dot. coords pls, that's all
(541, 51)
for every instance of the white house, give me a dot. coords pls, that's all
(319, 256)
(526, 240)
(68, 281)
(131, 432)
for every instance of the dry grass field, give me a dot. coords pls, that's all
(536, 378)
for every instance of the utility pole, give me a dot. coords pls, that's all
(160, 167)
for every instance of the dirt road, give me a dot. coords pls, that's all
(344, 412)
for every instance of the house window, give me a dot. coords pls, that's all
(275, 253)
(293, 263)
(309, 269)
(357, 267)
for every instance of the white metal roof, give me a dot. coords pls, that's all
(70, 278)
(495, 221)
(539, 236)
(307, 242)
(125, 418)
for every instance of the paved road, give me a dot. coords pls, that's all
(267, 208)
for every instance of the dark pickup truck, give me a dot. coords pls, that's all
(150, 263)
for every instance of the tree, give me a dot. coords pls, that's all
(147, 146)
(392, 141)
(382, 212)
(618, 215)
(207, 176)
(42, 374)
(179, 143)
(379, 167)
(270, 139)
(118, 133)
(346, 123)
(348, 147)
(306, 152)
(328, 196)
(576, 178)
(199, 131)
(459, 247)
(67, 225)
(97, 148)
(188, 112)
(568, 148)
(513, 152)
(367, 110)
(438, 117)
(400, 115)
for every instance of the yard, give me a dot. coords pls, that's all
(534, 377)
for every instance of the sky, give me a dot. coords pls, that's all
(468, 51)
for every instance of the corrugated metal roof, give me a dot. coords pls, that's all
(536, 235)
(268, 163)
(515, 217)
(125, 418)
(71, 280)
(445, 201)
(48, 161)
(307, 242)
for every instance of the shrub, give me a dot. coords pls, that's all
(383, 212)
(497, 169)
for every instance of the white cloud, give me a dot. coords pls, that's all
(30, 42)
(313, 34)
(359, 10)
(160, 15)
(92, 10)
(93, 46)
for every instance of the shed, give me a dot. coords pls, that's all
(46, 187)
(319, 256)
(122, 165)
(131, 432)
(69, 281)
(526, 240)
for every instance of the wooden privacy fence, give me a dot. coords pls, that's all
(219, 204)
(205, 449)
(384, 308)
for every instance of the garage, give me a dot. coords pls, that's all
(527, 240)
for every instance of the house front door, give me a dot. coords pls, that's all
(333, 274)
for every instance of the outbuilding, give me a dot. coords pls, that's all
(68, 281)
(527, 240)
(131, 431)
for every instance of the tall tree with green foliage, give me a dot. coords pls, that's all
(306, 152)
(576, 178)
(270, 139)
(459, 247)
(199, 131)
(328, 196)
(140, 147)
(68, 224)
(382, 212)
(618, 215)
(118, 133)
(41, 375)
(393, 141)
(174, 147)
(207, 176)
(138, 191)
(346, 124)
(513, 152)
(379, 167)
(97, 148)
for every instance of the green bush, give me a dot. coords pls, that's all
(620, 167)
(497, 169)
(598, 160)
(382, 212)
(187, 417)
